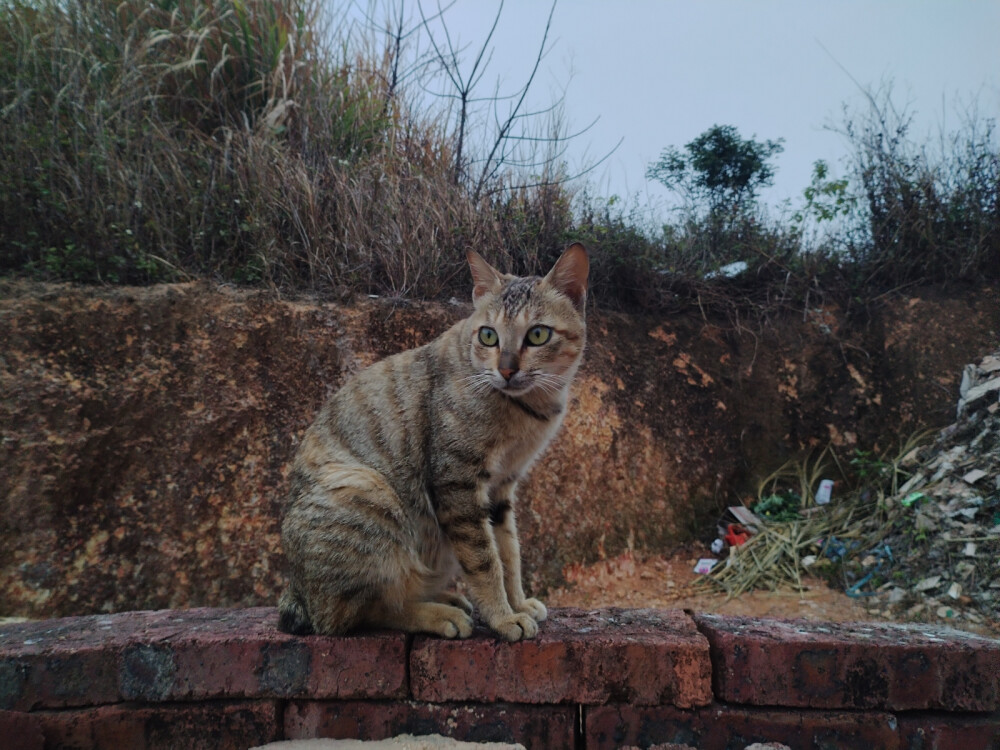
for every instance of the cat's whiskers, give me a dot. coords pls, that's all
(478, 382)
(548, 382)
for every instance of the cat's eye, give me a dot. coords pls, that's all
(538, 335)
(488, 337)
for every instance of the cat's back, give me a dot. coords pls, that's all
(380, 417)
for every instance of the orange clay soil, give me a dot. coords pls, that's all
(670, 582)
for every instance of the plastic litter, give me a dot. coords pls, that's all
(824, 492)
(705, 565)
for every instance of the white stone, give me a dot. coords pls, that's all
(402, 742)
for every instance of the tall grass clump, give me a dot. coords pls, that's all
(155, 140)
(923, 211)
(124, 123)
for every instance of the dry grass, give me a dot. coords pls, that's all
(268, 143)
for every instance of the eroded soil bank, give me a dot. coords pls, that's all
(146, 433)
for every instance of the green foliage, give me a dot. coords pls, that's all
(826, 198)
(719, 167)
(779, 507)
(869, 468)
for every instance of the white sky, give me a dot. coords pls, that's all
(659, 73)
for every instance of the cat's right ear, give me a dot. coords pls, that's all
(484, 276)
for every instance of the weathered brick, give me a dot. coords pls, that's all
(721, 727)
(189, 654)
(192, 726)
(243, 654)
(65, 662)
(940, 731)
(532, 726)
(851, 665)
(638, 656)
(20, 731)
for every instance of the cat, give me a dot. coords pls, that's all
(408, 475)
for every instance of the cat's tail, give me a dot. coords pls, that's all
(292, 614)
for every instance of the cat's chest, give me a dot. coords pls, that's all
(513, 455)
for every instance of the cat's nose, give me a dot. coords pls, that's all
(508, 365)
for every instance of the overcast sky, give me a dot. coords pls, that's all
(659, 73)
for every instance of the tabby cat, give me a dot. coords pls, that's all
(409, 472)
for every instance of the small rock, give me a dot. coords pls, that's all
(969, 550)
(945, 612)
(927, 583)
(955, 590)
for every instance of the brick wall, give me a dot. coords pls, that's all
(218, 678)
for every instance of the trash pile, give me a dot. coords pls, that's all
(917, 538)
(939, 555)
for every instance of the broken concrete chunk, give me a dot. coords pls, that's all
(973, 476)
(990, 364)
(927, 583)
(968, 376)
(977, 392)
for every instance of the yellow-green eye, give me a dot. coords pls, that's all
(538, 335)
(488, 337)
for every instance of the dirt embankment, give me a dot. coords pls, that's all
(146, 433)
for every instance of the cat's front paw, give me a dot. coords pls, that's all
(454, 624)
(534, 609)
(516, 627)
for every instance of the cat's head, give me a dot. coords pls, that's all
(528, 333)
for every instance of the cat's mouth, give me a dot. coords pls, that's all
(518, 385)
(523, 382)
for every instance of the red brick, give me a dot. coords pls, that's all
(641, 656)
(851, 665)
(241, 653)
(939, 731)
(189, 654)
(721, 727)
(21, 731)
(217, 725)
(532, 726)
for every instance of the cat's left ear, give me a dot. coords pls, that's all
(484, 276)
(569, 274)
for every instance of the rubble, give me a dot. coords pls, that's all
(943, 524)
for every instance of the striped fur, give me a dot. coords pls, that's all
(408, 475)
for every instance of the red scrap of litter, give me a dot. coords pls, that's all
(736, 534)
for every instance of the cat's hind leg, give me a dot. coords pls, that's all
(292, 614)
(350, 545)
